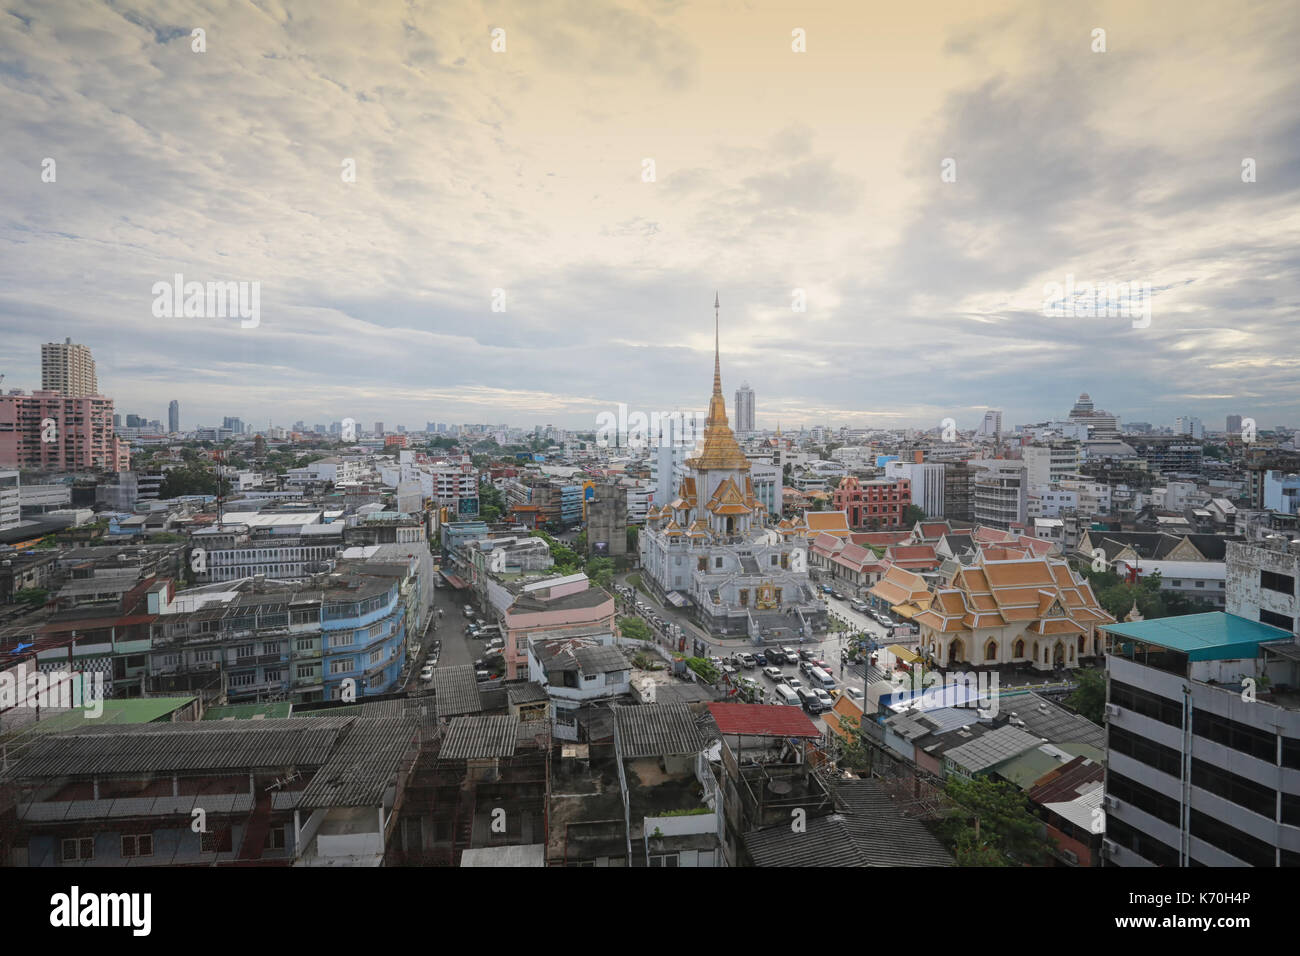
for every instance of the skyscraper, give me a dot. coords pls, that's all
(236, 425)
(68, 369)
(992, 424)
(174, 416)
(744, 409)
(1234, 424)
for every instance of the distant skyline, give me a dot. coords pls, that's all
(775, 171)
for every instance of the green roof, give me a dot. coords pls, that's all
(1213, 636)
(279, 708)
(135, 710)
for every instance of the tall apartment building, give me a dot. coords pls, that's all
(48, 431)
(173, 417)
(1187, 425)
(607, 521)
(1234, 425)
(1050, 463)
(10, 500)
(234, 424)
(1000, 493)
(744, 409)
(991, 426)
(68, 369)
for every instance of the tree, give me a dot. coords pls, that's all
(33, 596)
(992, 825)
(1089, 698)
(634, 628)
(912, 514)
(491, 503)
(601, 571)
(633, 537)
(852, 752)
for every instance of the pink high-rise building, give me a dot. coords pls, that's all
(49, 431)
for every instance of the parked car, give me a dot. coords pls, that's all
(827, 701)
(827, 589)
(794, 682)
(773, 674)
(854, 694)
(805, 666)
(837, 595)
(805, 654)
(427, 673)
(482, 675)
(858, 605)
(809, 701)
(760, 659)
(791, 656)
(747, 661)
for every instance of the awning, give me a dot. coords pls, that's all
(453, 580)
(903, 654)
(676, 599)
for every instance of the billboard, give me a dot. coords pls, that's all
(601, 548)
(467, 506)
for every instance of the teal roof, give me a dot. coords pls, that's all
(249, 711)
(1213, 636)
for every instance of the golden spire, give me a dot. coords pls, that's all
(720, 449)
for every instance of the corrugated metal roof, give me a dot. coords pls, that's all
(762, 720)
(478, 738)
(361, 768)
(652, 730)
(181, 747)
(990, 749)
(456, 691)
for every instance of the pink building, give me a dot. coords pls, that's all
(567, 604)
(48, 431)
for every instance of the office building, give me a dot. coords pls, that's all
(174, 417)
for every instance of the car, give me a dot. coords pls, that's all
(760, 659)
(805, 666)
(427, 673)
(747, 661)
(773, 674)
(805, 654)
(716, 662)
(827, 701)
(854, 694)
(837, 595)
(432, 660)
(809, 700)
(794, 682)
(790, 655)
(858, 605)
(482, 675)
(826, 589)
(818, 662)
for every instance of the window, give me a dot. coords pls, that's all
(203, 657)
(1272, 581)
(306, 670)
(1277, 620)
(244, 650)
(273, 676)
(1145, 846)
(275, 838)
(215, 841)
(1162, 758)
(664, 859)
(1245, 793)
(1146, 703)
(1150, 801)
(1260, 744)
(341, 666)
(77, 849)
(341, 639)
(137, 845)
(1231, 840)
(717, 562)
(271, 647)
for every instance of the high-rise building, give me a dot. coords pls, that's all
(379, 428)
(1234, 424)
(47, 431)
(991, 426)
(10, 500)
(1186, 425)
(68, 369)
(174, 416)
(744, 409)
(236, 425)
(134, 421)
(1101, 423)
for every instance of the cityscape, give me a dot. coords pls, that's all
(388, 481)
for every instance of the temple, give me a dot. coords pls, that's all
(711, 548)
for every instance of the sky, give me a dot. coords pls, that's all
(507, 254)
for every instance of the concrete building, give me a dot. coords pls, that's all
(927, 483)
(174, 416)
(607, 522)
(1000, 493)
(68, 369)
(1203, 742)
(1198, 580)
(958, 491)
(1263, 582)
(877, 505)
(10, 500)
(744, 410)
(1282, 492)
(1051, 463)
(49, 431)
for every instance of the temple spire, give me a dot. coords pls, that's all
(717, 361)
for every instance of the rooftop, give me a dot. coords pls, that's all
(1212, 636)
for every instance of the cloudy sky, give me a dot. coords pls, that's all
(773, 171)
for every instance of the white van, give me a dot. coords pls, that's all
(819, 678)
(784, 695)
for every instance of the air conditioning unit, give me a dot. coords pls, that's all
(1112, 710)
(1112, 803)
(1109, 847)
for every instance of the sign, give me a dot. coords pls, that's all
(467, 506)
